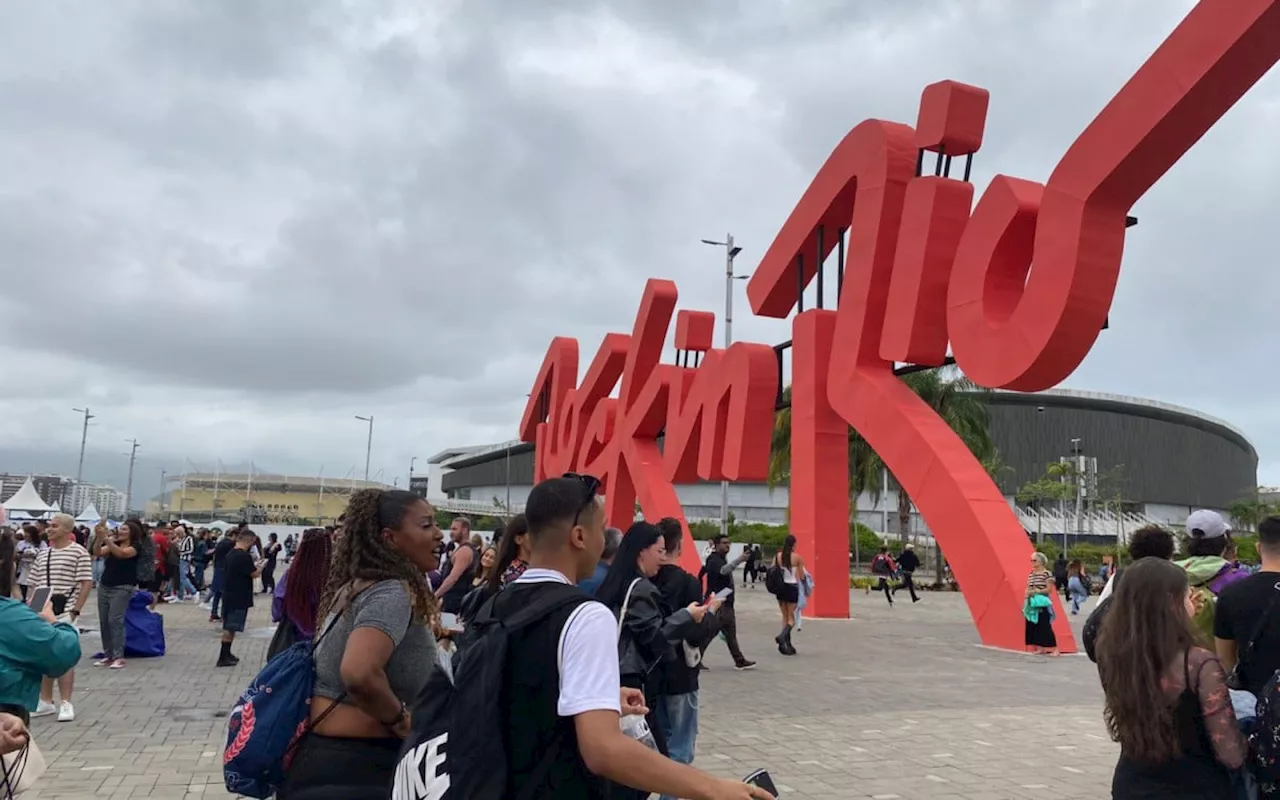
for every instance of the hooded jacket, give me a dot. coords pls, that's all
(30, 649)
(678, 589)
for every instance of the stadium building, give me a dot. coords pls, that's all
(256, 498)
(1139, 461)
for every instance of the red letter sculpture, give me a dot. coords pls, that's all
(717, 416)
(1020, 289)
(921, 271)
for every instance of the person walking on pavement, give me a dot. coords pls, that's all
(908, 563)
(719, 572)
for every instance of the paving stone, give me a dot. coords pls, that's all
(896, 704)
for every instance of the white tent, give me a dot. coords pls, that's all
(27, 499)
(220, 525)
(90, 515)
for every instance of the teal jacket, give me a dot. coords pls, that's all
(31, 648)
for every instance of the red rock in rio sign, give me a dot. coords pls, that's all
(922, 270)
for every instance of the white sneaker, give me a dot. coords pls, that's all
(44, 709)
(65, 712)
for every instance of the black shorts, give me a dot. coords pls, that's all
(789, 593)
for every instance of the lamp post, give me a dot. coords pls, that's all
(413, 461)
(84, 436)
(508, 506)
(368, 448)
(128, 489)
(730, 251)
(1076, 467)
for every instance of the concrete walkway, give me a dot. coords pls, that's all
(897, 703)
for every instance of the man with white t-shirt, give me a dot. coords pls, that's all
(566, 695)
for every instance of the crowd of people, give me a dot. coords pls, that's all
(600, 693)
(1186, 652)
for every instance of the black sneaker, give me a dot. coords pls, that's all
(744, 664)
(227, 662)
(235, 659)
(702, 667)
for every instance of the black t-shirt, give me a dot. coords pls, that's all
(237, 580)
(225, 545)
(1238, 610)
(273, 550)
(717, 581)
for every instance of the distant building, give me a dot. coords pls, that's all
(53, 489)
(107, 499)
(256, 498)
(1156, 461)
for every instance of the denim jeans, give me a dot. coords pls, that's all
(1075, 587)
(216, 588)
(186, 588)
(113, 602)
(99, 564)
(677, 714)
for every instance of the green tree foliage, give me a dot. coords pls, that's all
(1247, 512)
(1057, 484)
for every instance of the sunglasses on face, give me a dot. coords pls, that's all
(590, 487)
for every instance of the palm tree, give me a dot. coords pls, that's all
(960, 402)
(865, 467)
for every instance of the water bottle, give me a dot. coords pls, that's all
(637, 727)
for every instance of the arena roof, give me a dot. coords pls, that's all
(261, 480)
(1131, 405)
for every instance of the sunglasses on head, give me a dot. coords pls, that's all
(590, 487)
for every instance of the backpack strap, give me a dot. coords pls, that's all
(1233, 679)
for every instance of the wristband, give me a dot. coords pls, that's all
(404, 712)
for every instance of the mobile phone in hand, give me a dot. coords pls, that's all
(723, 594)
(762, 779)
(39, 598)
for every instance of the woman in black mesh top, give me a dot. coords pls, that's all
(1171, 715)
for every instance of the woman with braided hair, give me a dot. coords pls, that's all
(374, 648)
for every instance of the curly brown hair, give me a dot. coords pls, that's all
(363, 553)
(1145, 629)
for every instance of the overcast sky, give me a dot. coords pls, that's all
(230, 227)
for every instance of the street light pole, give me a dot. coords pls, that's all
(412, 461)
(84, 436)
(128, 489)
(368, 449)
(729, 252)
(508, 507)
(1079, 475)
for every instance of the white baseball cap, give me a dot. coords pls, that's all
(1206, 524)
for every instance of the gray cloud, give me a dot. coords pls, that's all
(234, 226)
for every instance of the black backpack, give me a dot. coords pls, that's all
(456, 748)
(1089, 635)
(773, 579)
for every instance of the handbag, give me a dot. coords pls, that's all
(286, 636)
(57, 601)
(20, 770)
(635, 726)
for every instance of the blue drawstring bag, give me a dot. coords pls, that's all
(268, 722)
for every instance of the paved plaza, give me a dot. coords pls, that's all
(897, 703)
